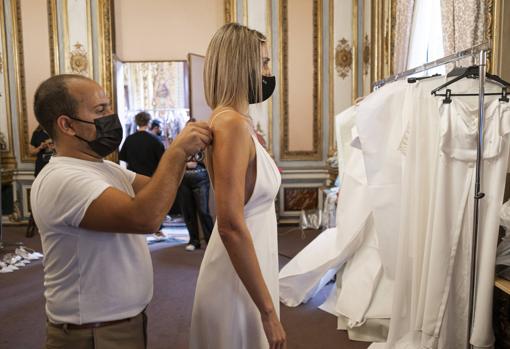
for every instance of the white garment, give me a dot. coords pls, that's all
(344, 123)
(432, 276)
(89, 276)
(224, 315)
(303, 276)
(354, 238)
(379, 124)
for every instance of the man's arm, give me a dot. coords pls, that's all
(116, 211)
(140, 182)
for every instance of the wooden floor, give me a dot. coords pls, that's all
(22, 319)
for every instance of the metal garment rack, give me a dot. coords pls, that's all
(481, 50)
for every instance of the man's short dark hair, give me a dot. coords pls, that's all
(155, 123)
(52, 99)
(142, 119)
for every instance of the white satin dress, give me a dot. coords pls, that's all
(224, 315)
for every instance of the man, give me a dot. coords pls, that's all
(92, 215)
(142, 150)
(156, 128)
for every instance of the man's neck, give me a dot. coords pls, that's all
(143, 128)
(73, 153)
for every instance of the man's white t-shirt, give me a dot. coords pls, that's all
(89, 276)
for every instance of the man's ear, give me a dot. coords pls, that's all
(63, 124)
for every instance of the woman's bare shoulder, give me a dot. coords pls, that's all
(230, 120)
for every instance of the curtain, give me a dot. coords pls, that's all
(403, 24)
(464, 23)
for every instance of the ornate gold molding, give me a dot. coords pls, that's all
(7, 159)
(106, 34)
(366, 55)
(493, 33)
(53, 31)
(17, 33)
(19, 67)
(331, 98)
(269, 36)
(286, 153)
(382, 33)
(230, 11)
(343, 58)
(106, 45)
(355, 65)
(78, 60)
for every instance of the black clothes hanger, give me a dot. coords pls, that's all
(415, 79)
(471, 72)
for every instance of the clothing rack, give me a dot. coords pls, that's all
(470, 52)
(481, 50)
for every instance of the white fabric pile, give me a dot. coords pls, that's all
(21, 257)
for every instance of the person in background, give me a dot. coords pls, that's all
(193, 198)
(42, 147)
(156, 129)
(142, 150)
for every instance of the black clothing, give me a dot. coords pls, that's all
(43, 156)
(142, 152)
(193, 197)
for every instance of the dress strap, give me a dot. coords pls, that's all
(221, 112)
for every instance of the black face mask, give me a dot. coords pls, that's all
(268, 85)
(108, 134)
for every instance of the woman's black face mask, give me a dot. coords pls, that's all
(108, 134)
(268, 85)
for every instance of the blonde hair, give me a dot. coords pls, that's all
(233, 65)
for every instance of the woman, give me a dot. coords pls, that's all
(41, 146)
(236, 301)
(194, 199)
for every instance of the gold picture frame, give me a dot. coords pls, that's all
(286, 153)
(20, 76)
(8, 161)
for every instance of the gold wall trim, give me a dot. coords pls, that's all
(316, 153)
(17, 33)
(494, 21)
(106, 45)
(269, 36)
(382, 33)
(245, 12)
(230, 10)
(90, 44)
(106, 35)
(355, 65)
(331, 99)
(53, 30)
(7, 157)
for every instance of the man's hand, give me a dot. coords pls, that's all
(193, 138)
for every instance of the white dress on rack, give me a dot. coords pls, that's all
(432, 276)
(224, 315)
